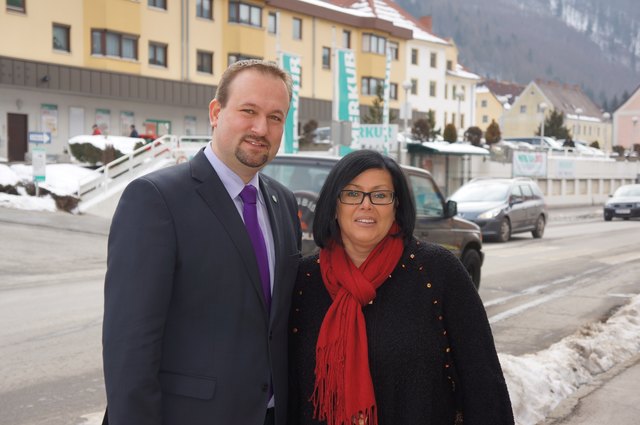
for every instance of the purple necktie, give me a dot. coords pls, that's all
(250, 215)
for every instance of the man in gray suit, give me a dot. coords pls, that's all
(195, 324)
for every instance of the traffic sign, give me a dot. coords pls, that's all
(39, 137)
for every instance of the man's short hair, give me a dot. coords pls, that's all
(264, 67)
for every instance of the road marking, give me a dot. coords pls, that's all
(534, 290)
(620, 258)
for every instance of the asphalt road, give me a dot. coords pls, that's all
(51, 280)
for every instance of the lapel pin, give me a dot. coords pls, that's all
(274, 198)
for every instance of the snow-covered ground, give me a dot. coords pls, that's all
(537, 382)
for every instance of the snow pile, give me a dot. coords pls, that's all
(539, 382)
(8, 177)
(125, 145)
(60, 179)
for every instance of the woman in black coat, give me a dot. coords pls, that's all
(386, 329)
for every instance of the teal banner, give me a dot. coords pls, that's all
(346, 97)
(291, 64)
(386, 95)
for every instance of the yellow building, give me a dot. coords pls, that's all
(582, 117)
(154, 63)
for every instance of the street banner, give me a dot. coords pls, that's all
(385, 110)
(346, 100)
(291, 64)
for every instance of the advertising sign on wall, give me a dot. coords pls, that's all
(49, 119)
(529, 164)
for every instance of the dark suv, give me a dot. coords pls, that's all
(502, 207)
(436, 219)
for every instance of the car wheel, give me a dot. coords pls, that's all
(471, 261)
(505, 230)
(607, 217)
(539, 230)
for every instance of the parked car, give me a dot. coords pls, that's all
(502, 207)
(436, 218)
(624, 203)
(582, 148)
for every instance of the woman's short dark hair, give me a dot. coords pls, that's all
(325, 225)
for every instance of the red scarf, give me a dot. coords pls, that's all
(343, 388)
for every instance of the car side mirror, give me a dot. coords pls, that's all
(450, 209)
(516, 200)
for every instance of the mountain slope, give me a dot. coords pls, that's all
(593, 43)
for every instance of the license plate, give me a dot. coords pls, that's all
(623, 211)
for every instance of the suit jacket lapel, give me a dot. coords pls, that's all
(276, 221)
(217, 198)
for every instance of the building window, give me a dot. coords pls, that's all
(434, 60)
(414, 56)
(485, 119)
(449, 65)
(346, 39)
(393, 47)
(453, 118)
(523, 109)
(243, 13)
(446, 93)
(393, 91)
(374, 44)
(461, 120)
(483, 103)
(432, 88)
(61, 37)
(157, 54)
(108, 43)
(445, 117)
(204, 9)
(16, 5)
(326, 57)
(454, 91)
(205, 62)
(370, 85)
(272, 23)
(235, 57)
(160, 4)
(414, 86)
(297, 29)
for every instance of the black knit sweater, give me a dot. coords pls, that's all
(431, 351)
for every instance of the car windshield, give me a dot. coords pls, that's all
(482, 192)
(628, 191)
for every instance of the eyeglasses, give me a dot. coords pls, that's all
(356, 197)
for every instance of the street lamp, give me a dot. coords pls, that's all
(406, 85)
(542, 107)
(459, 96)
(606, 116)
(578, 112)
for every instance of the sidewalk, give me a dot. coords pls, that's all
(612, 398)
(58, 220)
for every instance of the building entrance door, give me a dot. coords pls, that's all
(17, 132)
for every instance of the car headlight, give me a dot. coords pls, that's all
(490, 214)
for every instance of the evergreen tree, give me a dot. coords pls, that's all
(421, 130)
(473, 135)
(450, 133)
(376, 111)
(554, 126)
(493, 133)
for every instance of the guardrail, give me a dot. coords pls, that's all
(126, 167)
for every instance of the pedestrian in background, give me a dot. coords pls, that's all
(387, 329)
(202, 260)
(134, 132)
(95, 130)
